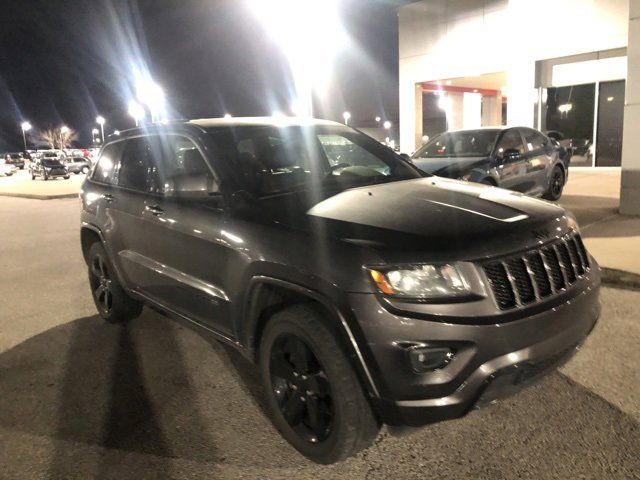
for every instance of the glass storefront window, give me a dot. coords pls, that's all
(568, 112)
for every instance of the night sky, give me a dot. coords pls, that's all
(63, 62)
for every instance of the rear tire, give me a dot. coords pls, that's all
(112, 302)
(556, 185)
(85, 170)
(317, 404)
(66, 177)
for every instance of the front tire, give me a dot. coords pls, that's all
(112, 302)
(313, 393)
(66, 177)
(556, 185)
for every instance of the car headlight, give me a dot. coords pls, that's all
(423, 282)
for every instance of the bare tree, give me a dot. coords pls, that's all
(58, 138)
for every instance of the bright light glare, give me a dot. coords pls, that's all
(64, 129)
(378, 119)
(565, 107)
(151, 94)
(136, 110)
(26, 126)
(95, 131)
(346, 116)
(310, 34)
(116, 132)
(387, 125)
(100, 120)
(228, 115)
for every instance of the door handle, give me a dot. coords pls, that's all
(108, 197)
(154, 210)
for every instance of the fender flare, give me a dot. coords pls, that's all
(251, 316)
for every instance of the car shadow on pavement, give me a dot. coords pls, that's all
(100, 392)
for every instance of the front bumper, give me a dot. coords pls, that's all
(491, 360)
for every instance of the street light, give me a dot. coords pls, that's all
(151, 94)
(64, 129)
(378, 120)
(387, 125)
(26, 126)
(101, 121)
(310, 34)
(136, 111)
(346, 116)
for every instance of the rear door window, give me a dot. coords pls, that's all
(534, 141)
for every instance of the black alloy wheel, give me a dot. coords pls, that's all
(313, 393)
(101, 284)
(113, 303)
(301, 389)
(556, 185)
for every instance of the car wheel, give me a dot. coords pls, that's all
(554, 191)
(313, 393)
(85, 170)
(66, 177)
(33, 177)
(112, 302)
(8, 174)
(22, 167)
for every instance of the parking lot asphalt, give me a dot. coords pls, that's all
(80, 398)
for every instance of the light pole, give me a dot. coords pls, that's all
(26, 126)
(100, 120)
(346, 116)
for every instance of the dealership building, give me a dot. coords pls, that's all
(568, 66)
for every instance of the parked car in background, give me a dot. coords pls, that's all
(47, 168)
(7, 169)
(516, 158)
(365, 292)
(16, 159)
(77, 164)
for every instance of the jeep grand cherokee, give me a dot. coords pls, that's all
(366, 291)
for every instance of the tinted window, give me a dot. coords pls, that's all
(181, 166)
(106, 166)
(269, 159)
(534, 140)
(510, 140)
(138, 170)
(469, 143)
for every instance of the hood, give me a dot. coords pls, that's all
(451, 167)
(441, 218)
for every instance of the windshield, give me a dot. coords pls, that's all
(51, 163)
(469, 143)
(267, 160)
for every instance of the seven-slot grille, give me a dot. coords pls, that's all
(538, 273)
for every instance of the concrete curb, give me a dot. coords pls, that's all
(612, 277)
(35, 196)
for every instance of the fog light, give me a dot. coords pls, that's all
(426, 359)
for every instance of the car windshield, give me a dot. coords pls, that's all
(268, 160)
(51, 163)
(468, 143)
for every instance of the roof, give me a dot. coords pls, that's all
(260, 121)
(204, 123)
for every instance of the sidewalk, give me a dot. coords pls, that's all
(613, 239)
(21, 185)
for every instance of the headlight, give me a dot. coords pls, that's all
(423, 282)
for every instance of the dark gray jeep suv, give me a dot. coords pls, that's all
(366, 291)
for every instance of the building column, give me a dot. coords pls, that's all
(630, 189)
(520, 93)
(418, 117)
